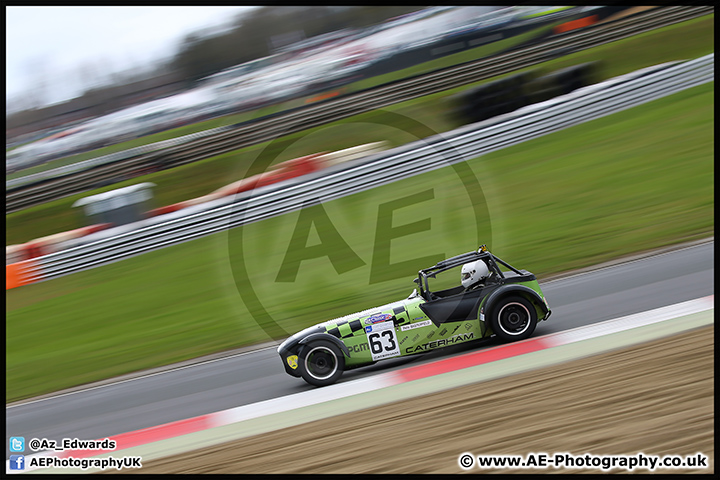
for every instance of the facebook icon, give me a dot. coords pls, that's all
(17, 462)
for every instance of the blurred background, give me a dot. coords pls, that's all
(154, 111)
(237, 58)
(80, 78)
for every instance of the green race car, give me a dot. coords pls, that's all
(489, 301)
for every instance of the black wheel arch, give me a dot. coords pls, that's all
(505, 290)
(326, 336)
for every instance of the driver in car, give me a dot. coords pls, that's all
(473, 275)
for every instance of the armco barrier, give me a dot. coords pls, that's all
(171, 153)
(283, 171)
(418, 157)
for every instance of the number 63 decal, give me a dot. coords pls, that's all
(382, 340)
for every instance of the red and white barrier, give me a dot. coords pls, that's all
(296, 167)
(45, 245)
(287, 170)
(20, 269)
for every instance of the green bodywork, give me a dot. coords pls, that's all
(428, 319)
(413, 331)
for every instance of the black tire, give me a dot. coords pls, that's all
(513, 318)
(320, 363)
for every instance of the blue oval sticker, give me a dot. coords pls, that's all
(380, 317)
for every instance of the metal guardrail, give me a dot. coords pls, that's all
(194, 147)
(418, 157)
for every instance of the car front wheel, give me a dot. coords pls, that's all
(514, 318)
(320, 363)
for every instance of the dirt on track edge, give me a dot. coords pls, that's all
(655, 398)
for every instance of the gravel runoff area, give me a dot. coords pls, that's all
(655, 398)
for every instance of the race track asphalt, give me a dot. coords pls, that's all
(181, 393)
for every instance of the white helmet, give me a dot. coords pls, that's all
(473, 273)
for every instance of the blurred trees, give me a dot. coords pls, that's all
(254, 33)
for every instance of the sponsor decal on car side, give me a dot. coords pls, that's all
(292, 361)
(380, 317)
(461, 337)
(426, 323)
(357, 348)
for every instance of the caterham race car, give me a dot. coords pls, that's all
(489, 301)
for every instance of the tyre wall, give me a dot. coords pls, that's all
(518, 90)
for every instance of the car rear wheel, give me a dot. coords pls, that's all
(320, 363)
(513, 318)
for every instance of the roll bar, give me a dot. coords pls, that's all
(481, 254)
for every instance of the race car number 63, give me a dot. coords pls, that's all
(382, 340)
(377, 346)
